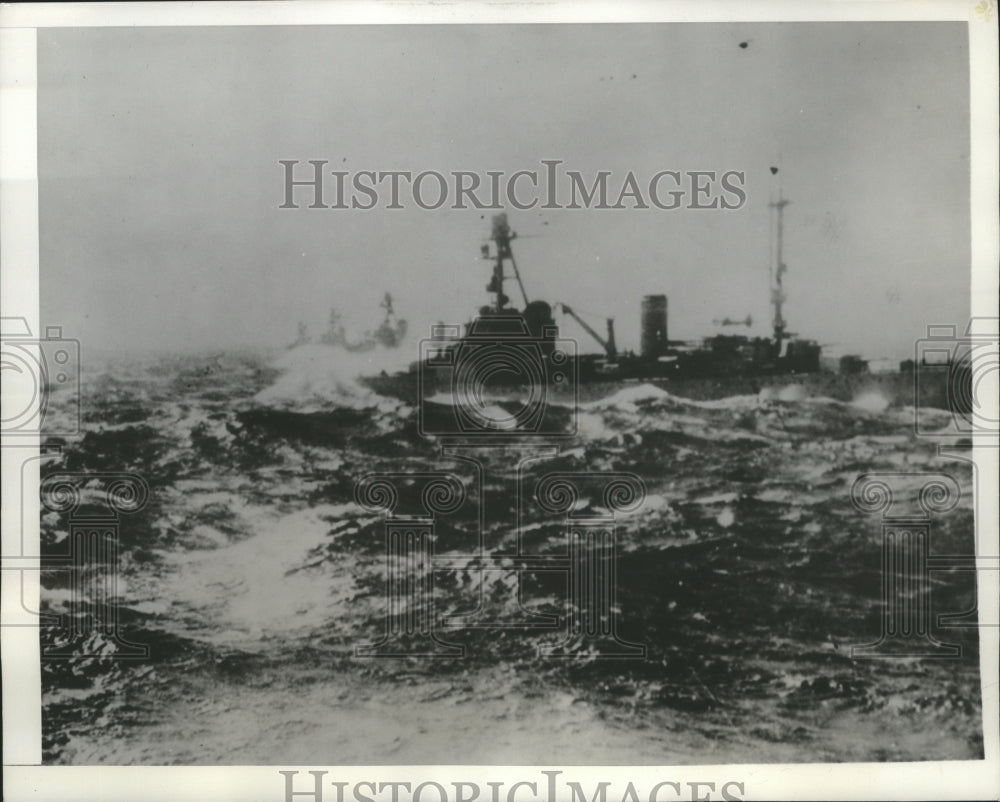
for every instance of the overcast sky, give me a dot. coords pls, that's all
(160, 182)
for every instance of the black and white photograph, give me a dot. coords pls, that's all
(568, 395)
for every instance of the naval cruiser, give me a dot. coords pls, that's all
(506, 352)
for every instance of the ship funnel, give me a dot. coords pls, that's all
(653, 342)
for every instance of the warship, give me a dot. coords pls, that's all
(389, 334)
(506, 353)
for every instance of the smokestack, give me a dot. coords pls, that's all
(653, 343)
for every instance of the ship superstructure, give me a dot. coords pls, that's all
(506, 347)
(659, 357)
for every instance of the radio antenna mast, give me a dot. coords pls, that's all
(778, 267)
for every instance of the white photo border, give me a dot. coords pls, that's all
(25, 779)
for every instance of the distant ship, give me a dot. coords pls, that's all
(389, 334)
(507, 351)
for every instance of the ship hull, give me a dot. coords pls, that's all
(897, 389)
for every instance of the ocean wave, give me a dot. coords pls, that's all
(253, 574)
(314, 377)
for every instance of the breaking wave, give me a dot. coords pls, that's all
(324, 375)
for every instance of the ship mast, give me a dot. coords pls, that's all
(502, 236)
(778, 268)
(387, 306)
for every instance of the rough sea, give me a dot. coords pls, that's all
(253, 575)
